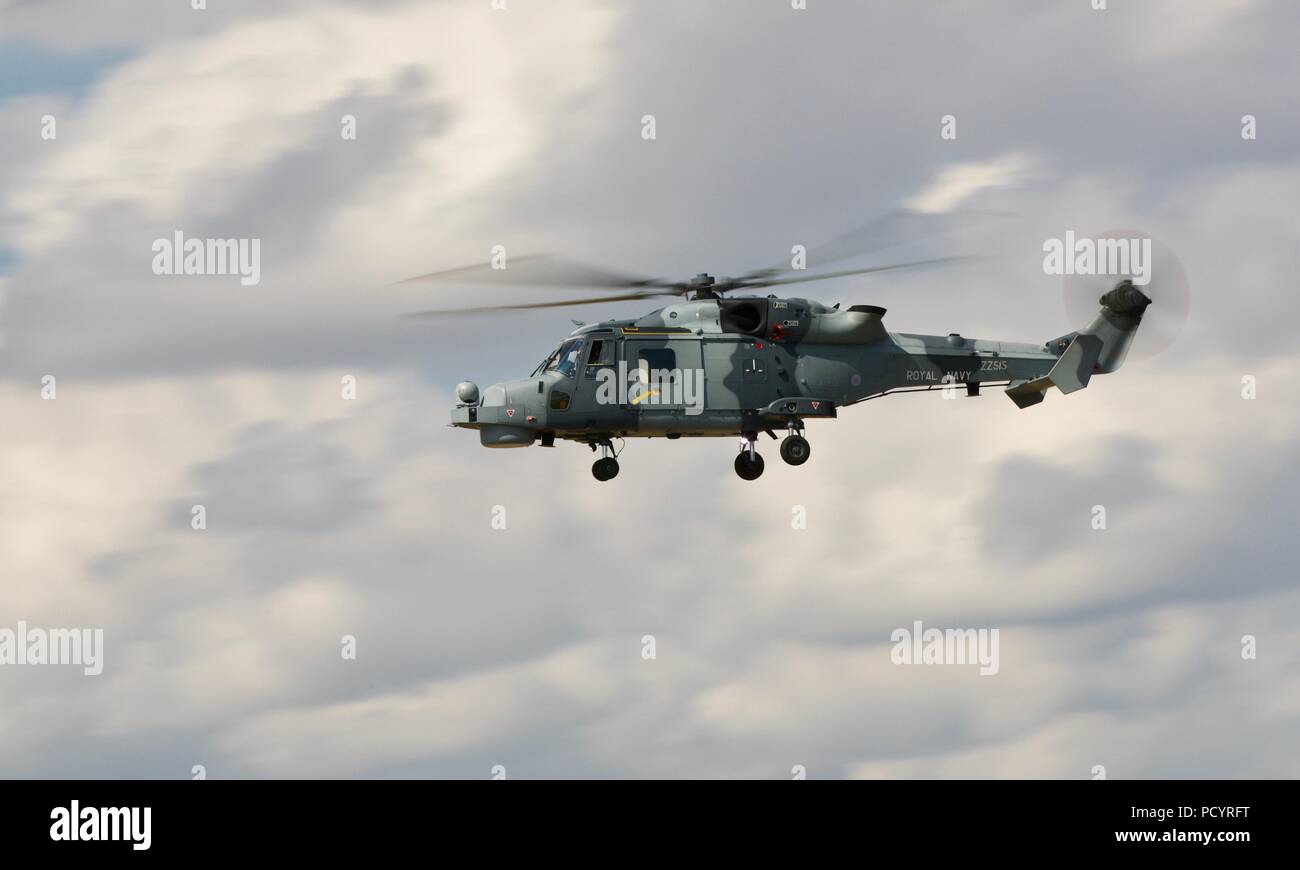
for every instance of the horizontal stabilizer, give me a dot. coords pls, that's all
(1072, 372)
(1028, 393)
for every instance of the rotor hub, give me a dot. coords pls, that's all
(702, 285)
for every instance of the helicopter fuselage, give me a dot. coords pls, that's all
(734, 366)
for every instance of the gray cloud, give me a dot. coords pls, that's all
(522, 647)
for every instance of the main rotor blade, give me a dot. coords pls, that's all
(540, 270)
(590, 300)
(771, 282)
(887, 231)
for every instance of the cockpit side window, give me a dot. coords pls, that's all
(601, 356)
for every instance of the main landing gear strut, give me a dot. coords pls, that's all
(795, 450)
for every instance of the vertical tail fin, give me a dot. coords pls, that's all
(1099, 349)
(1121, 313)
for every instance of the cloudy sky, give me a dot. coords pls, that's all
(523, 646)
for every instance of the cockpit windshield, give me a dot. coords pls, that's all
(564, 359)
(544, 364)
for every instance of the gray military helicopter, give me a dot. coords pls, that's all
(715, 363)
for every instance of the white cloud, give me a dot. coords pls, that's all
(522, 647)
(956, 184)
(189, 119)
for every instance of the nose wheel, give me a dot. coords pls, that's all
(747, 468)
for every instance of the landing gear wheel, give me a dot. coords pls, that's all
(795, 449)
(749, 468)
(605, 469)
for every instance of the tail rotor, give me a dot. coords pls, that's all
(1160, 282)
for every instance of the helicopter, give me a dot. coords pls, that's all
(715, 363)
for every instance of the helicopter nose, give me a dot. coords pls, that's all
(505, 415)
(502, 414)
(466, 412)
